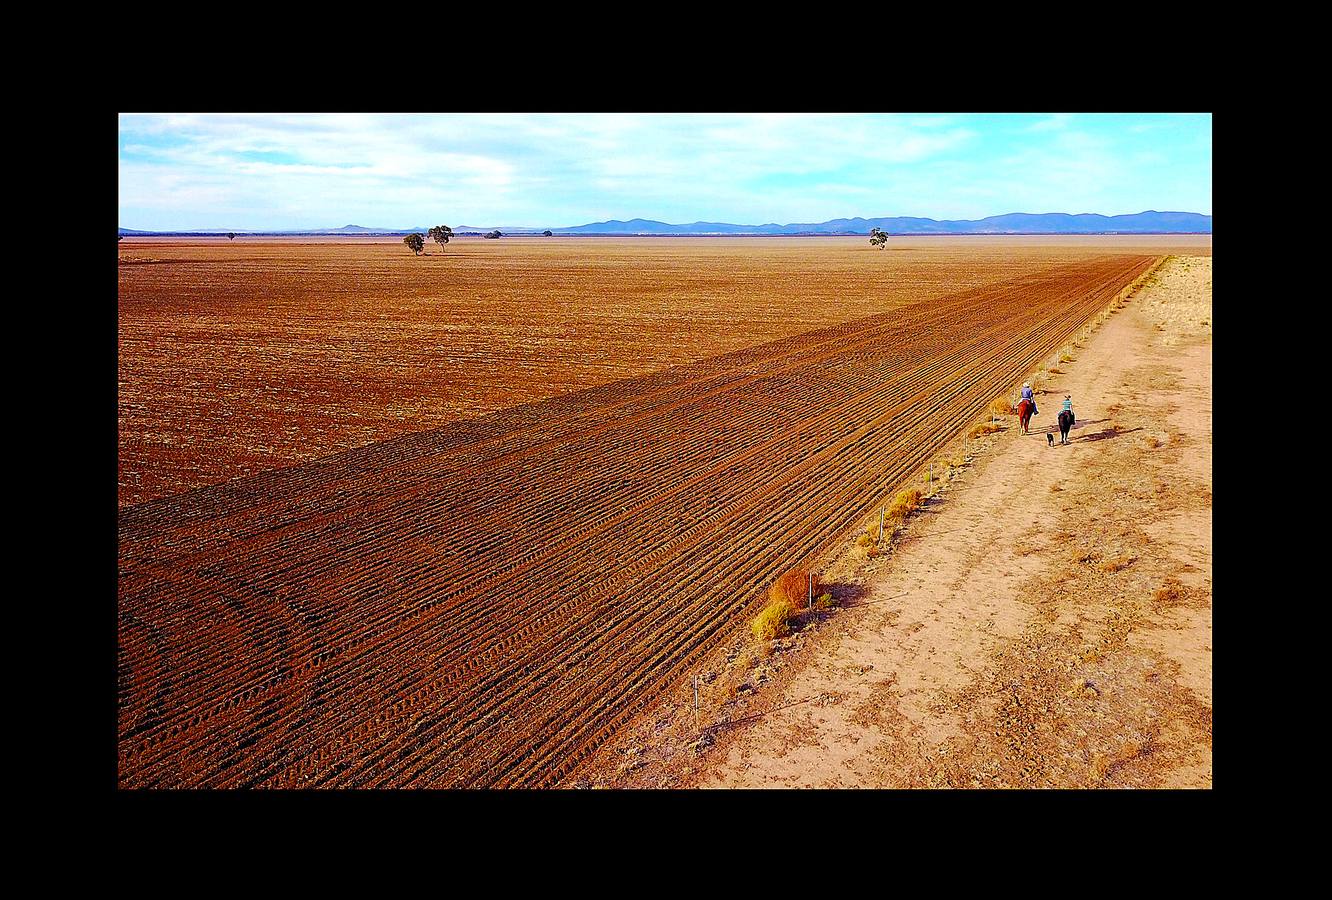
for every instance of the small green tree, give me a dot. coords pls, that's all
(416, 242)
(231, 235)
(546, 233)
(493, 235)
(878, 238)
(440, 234)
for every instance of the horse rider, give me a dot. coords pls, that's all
(1029, 394)
(1068, 404)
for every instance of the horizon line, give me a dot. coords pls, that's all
(651, 221)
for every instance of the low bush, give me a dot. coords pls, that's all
(986, 428)
(774, 621)
(903, 504)
(793, 587)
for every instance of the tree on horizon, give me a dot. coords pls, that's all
(878, 238)
(416, 242)
(440, 234)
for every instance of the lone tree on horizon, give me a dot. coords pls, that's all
(416, 242)
(231, 235)
(440, 234)
(546, 233)
(493, 235)
(878, 238)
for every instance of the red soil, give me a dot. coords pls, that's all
(484, 605)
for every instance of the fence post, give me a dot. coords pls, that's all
(811, 588)
(881, 510)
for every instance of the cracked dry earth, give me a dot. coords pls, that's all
(1048, 624)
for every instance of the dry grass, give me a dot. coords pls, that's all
(985, 428)
(905, 503)
(1001, 406)
(774, 621)
(1105, 763)
(1172, 592)
(1180, 301)
(1119, 563)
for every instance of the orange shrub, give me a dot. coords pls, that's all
(793, 587)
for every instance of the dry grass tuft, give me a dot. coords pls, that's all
(1172, 592)
(774, 621)
(1056, 371)
(1105, 763)
(905, 503)
(986, 428)
(1001, 406)
(1054, 489)
(1119, 563)
(824, 601)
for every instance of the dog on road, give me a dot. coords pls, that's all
(1050, 439)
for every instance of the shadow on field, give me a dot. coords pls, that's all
(1106, 434)
(861, 601)
(719, 727)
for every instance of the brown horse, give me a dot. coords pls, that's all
(1025, 409)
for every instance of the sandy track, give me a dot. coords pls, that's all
(484, 606)
(1048, 623)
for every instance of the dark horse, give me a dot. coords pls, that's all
(1025, 409)
(1065, 423)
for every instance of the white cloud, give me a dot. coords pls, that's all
(565, 169)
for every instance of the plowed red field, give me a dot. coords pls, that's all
(481, 606)
(237, 358)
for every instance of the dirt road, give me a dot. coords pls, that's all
(1046, 623)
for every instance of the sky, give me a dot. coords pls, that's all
(258, 172)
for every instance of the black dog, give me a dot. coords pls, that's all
(1050, 437)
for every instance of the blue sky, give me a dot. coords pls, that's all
(279, 171)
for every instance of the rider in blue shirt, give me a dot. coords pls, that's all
(1068, 404)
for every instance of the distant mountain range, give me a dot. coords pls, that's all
(1149, 222)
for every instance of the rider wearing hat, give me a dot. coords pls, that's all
(1028, 394)
(1068, 404)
